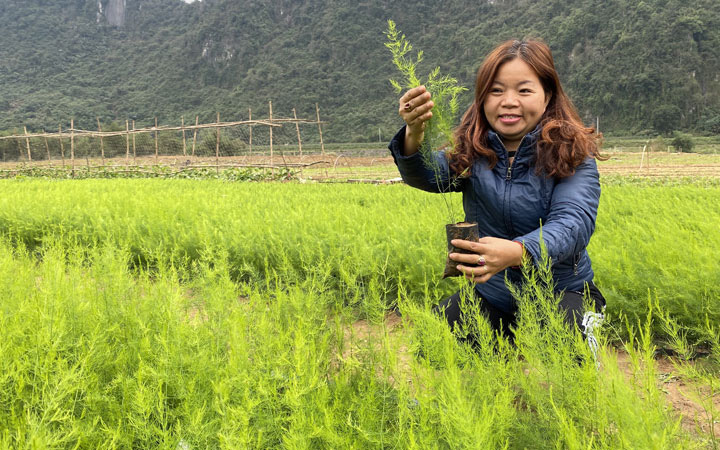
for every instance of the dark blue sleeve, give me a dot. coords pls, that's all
(416, 172)
(571, 221)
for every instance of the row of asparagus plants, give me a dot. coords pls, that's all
(184, 356)
(650, 238)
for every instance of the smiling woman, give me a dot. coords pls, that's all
(516, 102)
(526, 166)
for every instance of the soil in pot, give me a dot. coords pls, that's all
(463, 230)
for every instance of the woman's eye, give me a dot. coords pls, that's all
(495, 90)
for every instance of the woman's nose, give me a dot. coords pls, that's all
(509, 99)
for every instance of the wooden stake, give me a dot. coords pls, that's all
(47, 148)
(322, 145)
(182, 126)
(297, 128)
(156, 142)
(251, 127)
(102, 147)
(272, 170)
(127, 143)
(27, 144)
(72, 146)
(197, 118)
(217, 145)
(642, 156)
(62, 147)
(133, 139)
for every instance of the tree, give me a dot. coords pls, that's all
(666, 118)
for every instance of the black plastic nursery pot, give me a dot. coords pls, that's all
(462, 230)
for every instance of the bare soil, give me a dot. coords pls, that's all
(346, 166)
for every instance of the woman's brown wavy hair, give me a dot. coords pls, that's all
(564, 141)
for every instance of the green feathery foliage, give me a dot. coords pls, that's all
(444, 90)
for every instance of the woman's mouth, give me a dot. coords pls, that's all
(509, 119)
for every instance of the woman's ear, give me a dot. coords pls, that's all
(548, 96)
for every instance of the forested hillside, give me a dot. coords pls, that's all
(639, 66)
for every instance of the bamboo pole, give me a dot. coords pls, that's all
(72, 146)
(197, 118)
(297, 128)
(62, 147)
(127, 142)
(47, 148)
(95, 133)
(102, 146)
(133, 144)
(217, 146)
(322, 145)
(251, 128)
(182, 125)
(156, 141)
(642, 156)
(27, 144)
(271, 138)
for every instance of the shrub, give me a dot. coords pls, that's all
(682, 142)
(657, 144)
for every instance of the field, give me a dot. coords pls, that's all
(186, 314)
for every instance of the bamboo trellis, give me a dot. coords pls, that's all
(129, 134)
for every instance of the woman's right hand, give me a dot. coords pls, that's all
(415, 109)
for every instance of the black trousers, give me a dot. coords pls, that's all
(571, 304)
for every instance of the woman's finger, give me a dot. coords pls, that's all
(472, 246)
(475, 271)
(420, 114)
(412, 93)
(469, 258)
(477, 274)
(414, 104)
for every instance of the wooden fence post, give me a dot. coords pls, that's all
(102, 146)
(251, 128)
(133, 144)
(72, 146)
(217, 145)
(297, 128)
(156, 141)
(127, 143)
(322, 145)
(197, 119)
(47, 146)
(182, 127)
(62, 147)
(272, 168)
(27, 144)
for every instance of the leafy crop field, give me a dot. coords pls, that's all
(212, 314)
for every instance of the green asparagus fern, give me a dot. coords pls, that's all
(444, 90)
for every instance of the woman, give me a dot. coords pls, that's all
(529, 172)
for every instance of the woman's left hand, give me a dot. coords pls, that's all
(498, 254)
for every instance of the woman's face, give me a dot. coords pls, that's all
(515, 103)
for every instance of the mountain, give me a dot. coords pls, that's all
(638, 66)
